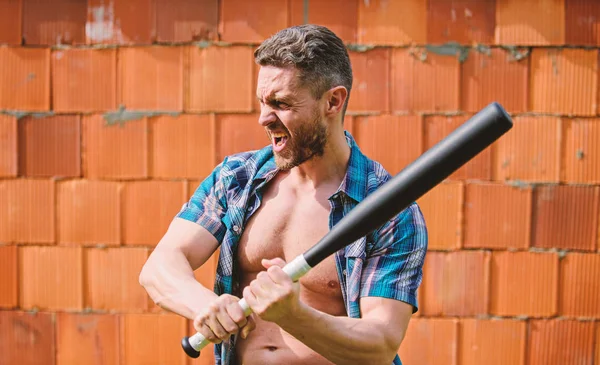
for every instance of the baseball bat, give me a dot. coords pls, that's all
(416, 179)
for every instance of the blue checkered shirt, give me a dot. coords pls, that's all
(386, 263)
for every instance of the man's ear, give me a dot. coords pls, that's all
(336, 97)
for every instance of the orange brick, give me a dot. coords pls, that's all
(462, 21)
(162, 347)
(392, 140)
(579, 285)
(524, 283)
(370, 90)
(442, 209)
(340, 16)
(557, 341)
(151, 78)
(54, 22)
(456, 283)
(220, 79)
(9, 280)
(192, 185)
(438, 127)
(148, 209)
(582, 26)
(11, 21)
(207, 356)
(8, 146)
(205, 274)
(27, 211)
(566, 217)
(564, 81)
(27, 338)
(183, 146)
(89, 212)
(516, 25)
(239, 133)
(430, 341)
(485, 203)
(121, 22)
(597, 344)
(84, 80)
(416, 83)
(87, 339)
(51, 277)
(383, 22)
(115, 150)
(582, 151)
(50, 146)
(494, 76)
(492, 341)
(25, 78)
(243, 21)
(530, 151)
(185, 20)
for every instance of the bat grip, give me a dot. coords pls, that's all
(193, 344)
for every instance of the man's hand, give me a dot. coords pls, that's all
(273, 295)
(223, 318)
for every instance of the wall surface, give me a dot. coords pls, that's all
(114, 111)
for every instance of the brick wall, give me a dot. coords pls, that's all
(113, 111)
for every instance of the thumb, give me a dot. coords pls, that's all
(273, 262)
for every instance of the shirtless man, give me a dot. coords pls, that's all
(263, 208)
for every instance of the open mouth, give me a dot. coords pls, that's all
(279, 141)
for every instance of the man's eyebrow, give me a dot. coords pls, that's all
(277, 97)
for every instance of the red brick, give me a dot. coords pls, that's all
(54, 22)
(87, 339)
(183, 146)
(50, 146)
(187, 20)
(566, 217)
(340, 16)
(579, 285)
(495, 76)
(442, 208)
(484, 203)
(239, 133)
(557, 341)
(118, 151)
(27, 211)
(530, 151)
(148, 209)
(220, 79)
(492, 342)
(112, 279)
(564, 81)
(162, 347)
(243, 21)
(415, 83)
(84, 80)
(51, 277)
(27, 338)
(89, 212)
(438, 127)
(516, 25)
(392, 140)
(9, 280)
(597, 343)
(462, 21)
(151, 78)
(456, 283)
(121, 22)
(524, 284)
(25, 78)
(11, 21)
(582, 151)
(370, 89)
(8, 146)
(383, 22)
(192, 185)
(430, 341)
(582, 26)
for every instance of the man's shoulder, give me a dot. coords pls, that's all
(246, 164)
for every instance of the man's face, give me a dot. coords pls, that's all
(291, 116)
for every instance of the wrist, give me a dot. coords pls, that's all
(301, 313)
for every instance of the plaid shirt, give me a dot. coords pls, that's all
(386, 263)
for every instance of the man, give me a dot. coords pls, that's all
(263, 208)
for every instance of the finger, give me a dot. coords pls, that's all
(250, 298)
(278, 276)
(277, 261)
(262, 286)
(237, 314)
(249, 327)
(227, 323)
(216, 327)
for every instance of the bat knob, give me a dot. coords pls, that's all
(189, 350)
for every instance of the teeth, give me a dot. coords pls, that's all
(278, 135)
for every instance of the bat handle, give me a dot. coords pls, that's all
(193, 344)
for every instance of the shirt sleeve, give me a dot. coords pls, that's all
(394, 264)
(208, 204)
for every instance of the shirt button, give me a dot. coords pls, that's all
(236, 229)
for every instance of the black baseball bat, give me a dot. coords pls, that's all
(416, 179)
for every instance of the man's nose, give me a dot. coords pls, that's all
(267, 115)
